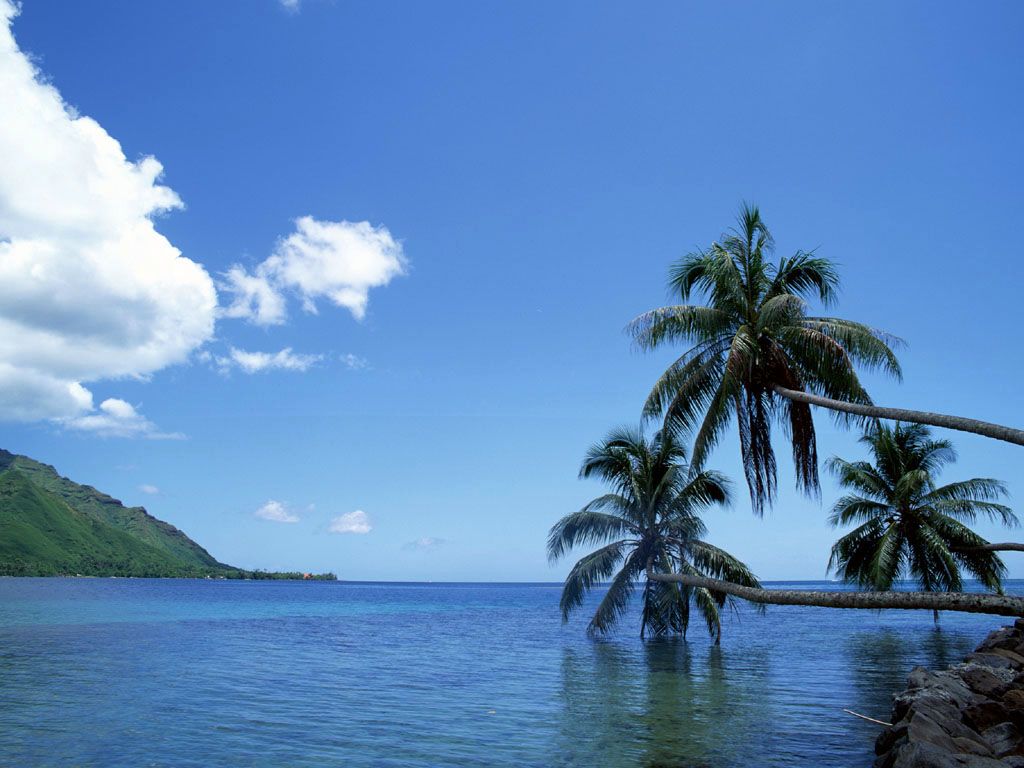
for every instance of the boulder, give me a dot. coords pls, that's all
(1011, 655)
(984, 681)
(968, 716)
(1003, 739)
(989, 659)
(930, 756)
(985, 714)
(1013, 699)
(1004, 637)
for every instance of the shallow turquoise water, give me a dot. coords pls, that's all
(115, 672)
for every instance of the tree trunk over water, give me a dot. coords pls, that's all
(1005, 546)
(1003, 605)
(985, 428)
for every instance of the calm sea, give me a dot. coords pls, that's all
(115, 672)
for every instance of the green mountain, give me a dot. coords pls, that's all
(50, 525)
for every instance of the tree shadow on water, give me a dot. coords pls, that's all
(661, 704)
(880, 661)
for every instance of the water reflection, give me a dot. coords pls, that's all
(664, 704)
(880, 660)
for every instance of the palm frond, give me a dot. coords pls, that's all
(590, 570)
(586, 527)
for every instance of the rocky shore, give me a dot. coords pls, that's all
(970, 715)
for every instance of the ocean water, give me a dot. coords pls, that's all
(133, 673)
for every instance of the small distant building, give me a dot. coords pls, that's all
(307, 576)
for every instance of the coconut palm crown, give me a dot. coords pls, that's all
(650, 519)
(753, 334)
(908, 525)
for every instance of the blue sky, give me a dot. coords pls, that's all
(528, 171)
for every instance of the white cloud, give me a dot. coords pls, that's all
(339, 261)
(117, 418)
(290, 5)
(423, 544)
(355, 362)
(151, 490)
(254, 362)
(276, 512)
(351, 522)
(89, 290)
(255, 298)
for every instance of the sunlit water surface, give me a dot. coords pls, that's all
(115, 672)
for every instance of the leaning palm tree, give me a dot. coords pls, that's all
(758, 355)
(908, 525)
(648, 523)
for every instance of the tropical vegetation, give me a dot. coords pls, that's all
(52, 526)
(649, 521)
(757, 355)
(907, 525)
(755, 334)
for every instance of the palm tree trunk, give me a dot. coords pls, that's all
(995, 431)
(1003, 605)
(1005, 546)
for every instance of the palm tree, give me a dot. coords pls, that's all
(759, 357)
(649, 522)
(755, 333)
(908, 525)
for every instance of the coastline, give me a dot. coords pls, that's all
(970, 714)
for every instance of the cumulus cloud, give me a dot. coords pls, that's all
(277, 512)
(290, 5)
(336, 261)
(255, 299)
(117, 418)
(423, 544)
(89, 290)
(351, 522)
(151, 490)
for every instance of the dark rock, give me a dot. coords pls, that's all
(972, 746)
(1011, 655)
(985, 714)
(969, 716)
(1013, 700)
(930, 756)
(992, 660)
(1004, 739)
(1004, 637)
(984, 681)
(923, 729)
(888, 738)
